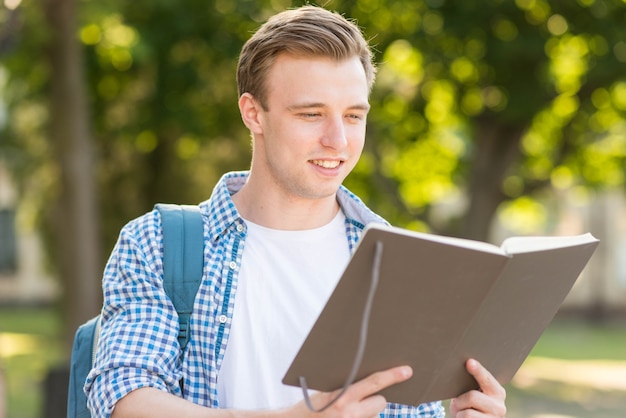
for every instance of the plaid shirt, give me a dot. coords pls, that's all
(138, 346)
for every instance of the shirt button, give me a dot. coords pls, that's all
(222, 319)
(240, 228)
(232, 265)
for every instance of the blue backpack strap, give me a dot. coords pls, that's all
(183, 260)
(83, 357)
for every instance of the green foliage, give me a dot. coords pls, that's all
(164, 100)
(545, 75)
(475, 102)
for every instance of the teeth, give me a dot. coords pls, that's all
(327, 163)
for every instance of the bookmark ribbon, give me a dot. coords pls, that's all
(365, 319)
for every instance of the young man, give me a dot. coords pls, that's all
(276, 241)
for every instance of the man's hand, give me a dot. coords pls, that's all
(483, 403)
(360, 400)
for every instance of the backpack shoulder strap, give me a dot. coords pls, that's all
(183, 260)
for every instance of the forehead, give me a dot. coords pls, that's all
(319, 79)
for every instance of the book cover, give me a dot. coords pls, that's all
(439, 301)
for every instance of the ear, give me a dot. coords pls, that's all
(251, 111)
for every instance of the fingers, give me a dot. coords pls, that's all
(486, 381)
(488, 402)
(361, 399)
(379, 381)
(477, 404)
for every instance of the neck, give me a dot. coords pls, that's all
(272, 210)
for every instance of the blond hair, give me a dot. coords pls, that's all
(305, 31)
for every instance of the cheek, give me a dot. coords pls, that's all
(274, 137)
(357, 139)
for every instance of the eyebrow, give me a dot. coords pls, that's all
(359, 106)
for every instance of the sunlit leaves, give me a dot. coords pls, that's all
(557, 25)
(543, 141)
(513, 186)
(464, 70)
(187, 147)
(569, 57)
(563, 177)
(586, 3)
(146, 141)
(600, 166)
(432, 23)
(618, 95)
(598, 45)
(536, 11)
(609, 105)
(426, 169)
(620, 51)
(402, 69)
(441, 102)
(112, 39)
(602, 160)
(603, 119)
(472, 102)
(524, 215)
(90, 34)
(565, 106)
(504, 29)
(108, 87)
(494, 98)
(162, 85)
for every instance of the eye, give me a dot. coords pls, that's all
(355, 117)
(309, 115)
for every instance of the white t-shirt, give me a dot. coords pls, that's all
(286, 277)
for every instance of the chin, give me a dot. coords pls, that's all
(323, 193)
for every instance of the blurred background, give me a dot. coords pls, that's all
(489, 118)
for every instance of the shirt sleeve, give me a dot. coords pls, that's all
(426, 410)
(138, 344)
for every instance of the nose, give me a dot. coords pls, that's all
(334, 135)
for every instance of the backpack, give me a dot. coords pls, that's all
(183, 259)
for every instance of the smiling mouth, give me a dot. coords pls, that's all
(327, 163)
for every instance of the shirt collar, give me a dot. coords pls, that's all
(355, 210)
(222, 212)
(220, 208)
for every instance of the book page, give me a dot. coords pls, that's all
(516, 245)
(456, 242)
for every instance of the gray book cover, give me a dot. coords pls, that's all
(439, 301)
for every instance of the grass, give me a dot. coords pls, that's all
(572, 372)
(30, 346)
(577, 340)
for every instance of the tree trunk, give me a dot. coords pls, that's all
(76, 214)
(497, 149)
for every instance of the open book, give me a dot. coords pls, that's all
(438, 302)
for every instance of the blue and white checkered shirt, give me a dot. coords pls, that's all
(138, 344)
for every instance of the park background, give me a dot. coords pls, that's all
(489, 118)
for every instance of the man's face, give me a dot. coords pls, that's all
(312, 133)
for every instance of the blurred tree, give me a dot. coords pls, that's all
(492, 102)
(480, 103)
(48, 86)
(75, 213)
(164, 92)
